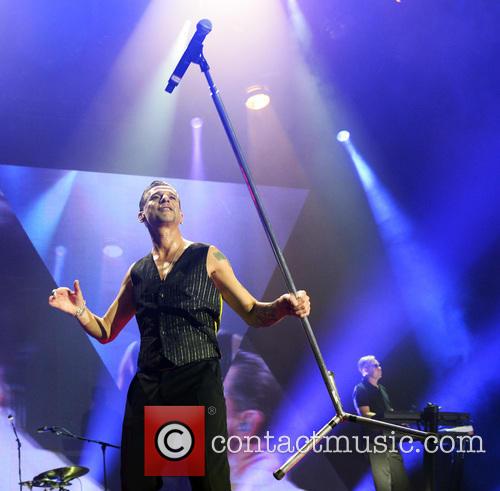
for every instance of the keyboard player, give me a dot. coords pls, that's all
(372, 400)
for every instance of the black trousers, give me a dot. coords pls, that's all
(195, 384)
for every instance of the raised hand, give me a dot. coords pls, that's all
(66, 300)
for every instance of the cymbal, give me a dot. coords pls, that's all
(61, 475)
(44, 484)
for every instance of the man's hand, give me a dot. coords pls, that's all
(106, 328)
(297, 305)
(67, 300)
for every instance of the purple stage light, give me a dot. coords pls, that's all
(112, 250)
(196, 123)
(60, 250)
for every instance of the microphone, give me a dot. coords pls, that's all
(58, 430)
(191, 54)
(44, 429)
(10, 417)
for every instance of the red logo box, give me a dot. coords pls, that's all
(174, 440)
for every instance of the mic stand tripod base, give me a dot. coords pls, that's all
(306, 448)
(311, 443)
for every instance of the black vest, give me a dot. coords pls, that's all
(179, 316)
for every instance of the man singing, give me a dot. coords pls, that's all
(176, 294)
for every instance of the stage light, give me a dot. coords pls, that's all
(196, 123)
(343, 136)
(197, 168)
(43, 215)
(112, 250)
(257, 97)
(299, 23)
(60, 250)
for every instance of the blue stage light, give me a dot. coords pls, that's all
(343, 136)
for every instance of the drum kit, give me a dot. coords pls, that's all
(56, 478)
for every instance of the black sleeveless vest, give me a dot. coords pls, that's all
(179, 316)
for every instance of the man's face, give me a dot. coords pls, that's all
(162, 205)
(374, 370)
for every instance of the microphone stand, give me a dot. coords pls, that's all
(328, 378)
(11, 419)
(60, 431)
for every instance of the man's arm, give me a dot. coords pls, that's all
(105, 328)
(254, 313)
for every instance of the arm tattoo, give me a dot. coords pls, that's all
(219, 256)
(267, 315)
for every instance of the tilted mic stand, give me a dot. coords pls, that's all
(194, 54)
(61, 431)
